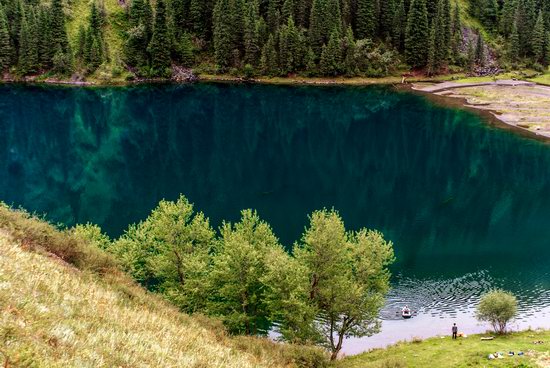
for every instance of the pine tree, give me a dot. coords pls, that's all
(490, 14)
(309, 61)
(45, 48)
(366, 19)
(290, 47)
(95, 52)
(480, 50)
(223, 34)
(456, 34)
(269, 62)
(139, 34)
(251, 33)
(317, 33)
(196, 18)
(471, 55)
(28, 56)
(399, 26)
(6, 52)
(159, 47)
(387, 12)
(508, 16)
(417, 35)
(349, 64)
(432, 63)
(57, 26)
(515, 46)
(186, 50)
(180, 11)
(288, 10)
(538, 40)
(331, 56)
(81, 43)
(273, 15)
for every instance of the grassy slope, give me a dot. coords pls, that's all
(465, 352)
(53, 314)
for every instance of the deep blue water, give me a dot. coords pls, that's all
(455, 195)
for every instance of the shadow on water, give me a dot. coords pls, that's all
(464, 204)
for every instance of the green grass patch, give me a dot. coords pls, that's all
(470, 351)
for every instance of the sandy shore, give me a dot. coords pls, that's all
(519, 104)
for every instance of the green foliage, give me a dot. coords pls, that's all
(497, 307)
(238, 266)
(169, 253)
(348, 277)
(417, 34)
(6, 52)
(366, 19)
(160, 46)
(331, 56)
(538, 42)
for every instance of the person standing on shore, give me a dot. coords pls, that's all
(455, 331)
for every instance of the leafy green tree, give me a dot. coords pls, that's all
(538, 41)
(348, 277)
(497, 307)
(159, 47)
(6, 51)
(239, 295)
(417, 34)
(366, 19)
(349, 64)
(169, 252)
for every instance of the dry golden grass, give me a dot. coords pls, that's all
(53, 314)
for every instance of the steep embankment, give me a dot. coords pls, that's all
(53, 314)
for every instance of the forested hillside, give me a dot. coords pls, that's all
(147, 38)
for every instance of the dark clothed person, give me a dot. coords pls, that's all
(455, 331)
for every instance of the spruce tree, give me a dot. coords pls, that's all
(309, 61)
(45, 48)
(274, 15)
(480, 50)
(317, 32)
(288, 10)
(491, 14)
(387, 11)
(251, 33)
(290, 47)
(57, 26)
(223, 34)
(5, 44)
(159, 47)
(28, 56)
(331, 56)
(515, 46)
(456, 34)
(538, 41)
(417, 35)
(269, 59)
(366, 19)
(399, 26)
(432, 62)
(507, 17)
(196, 18)
(81, 43)
(349, 64)
(186, 50)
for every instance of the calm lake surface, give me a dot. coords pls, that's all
(466, 205)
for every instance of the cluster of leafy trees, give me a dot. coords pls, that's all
(523, 25)
(33, 37)
(332, 285)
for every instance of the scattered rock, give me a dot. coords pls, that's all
(183, 75)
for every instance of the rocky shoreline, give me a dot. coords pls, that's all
(521, 105)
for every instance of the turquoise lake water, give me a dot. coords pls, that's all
(466, 205)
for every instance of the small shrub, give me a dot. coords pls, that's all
(416, 340)
(497, 307)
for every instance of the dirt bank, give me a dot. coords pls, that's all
(524, 106)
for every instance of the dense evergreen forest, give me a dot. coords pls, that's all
(274, 37)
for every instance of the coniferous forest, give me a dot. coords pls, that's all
(369, 38)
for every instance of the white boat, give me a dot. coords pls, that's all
(406, 313)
